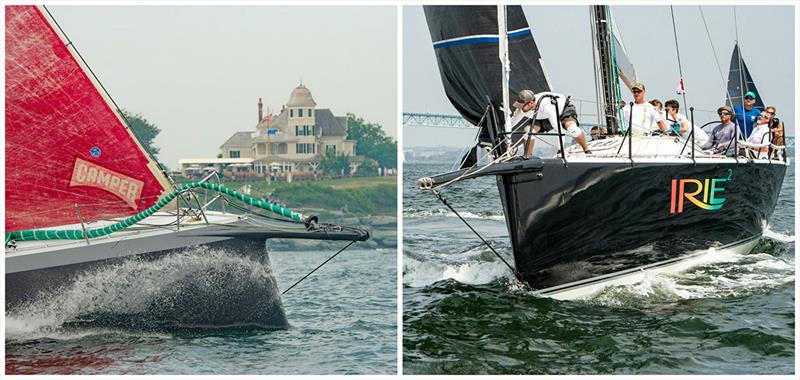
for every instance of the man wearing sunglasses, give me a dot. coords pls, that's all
(746, 117)
(643, 118)
(721, 139)
(546, 117)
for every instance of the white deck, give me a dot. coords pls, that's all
(157, 224)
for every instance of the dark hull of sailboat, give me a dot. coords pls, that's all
(209, 295)
(589, 219)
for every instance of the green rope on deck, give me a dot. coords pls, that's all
(79, 234)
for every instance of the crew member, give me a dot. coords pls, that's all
(546, 116)
(646, 118)
(721, 139)
(748, 116)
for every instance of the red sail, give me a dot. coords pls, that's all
(65, 143)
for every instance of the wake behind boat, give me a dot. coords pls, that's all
(603, 214)
(84, 197)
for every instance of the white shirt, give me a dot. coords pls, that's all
(758, 137)
(645, 118)
(547, 111)
(521, 121)
(700, 136)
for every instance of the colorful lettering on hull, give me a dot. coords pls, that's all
(702, 193)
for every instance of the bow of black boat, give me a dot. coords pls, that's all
(515, 166)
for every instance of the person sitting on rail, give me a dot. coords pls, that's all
(545, 117)
(646, 118)
(681, 125)
(776, 128)
(722, 136)
(760, 136)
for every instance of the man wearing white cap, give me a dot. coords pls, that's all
(646, 118)
(546, 117)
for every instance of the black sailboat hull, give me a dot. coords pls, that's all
(588, 219)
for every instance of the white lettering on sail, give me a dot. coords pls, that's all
(89, 174)
(79, 173)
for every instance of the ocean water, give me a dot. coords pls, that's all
(464, 313)
(342, 320)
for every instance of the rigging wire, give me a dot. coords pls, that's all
(318, 266)
(444, 201)
(678, 52)
(713, 50)
(502, 157)
(116, 107)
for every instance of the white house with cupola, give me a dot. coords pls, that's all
(293, 142)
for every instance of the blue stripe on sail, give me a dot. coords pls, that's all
(481, 39)
(466, 41)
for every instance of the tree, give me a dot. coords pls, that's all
(368, 168)
(371, 141)
(144, 130)
(335, 164)
(386, 155)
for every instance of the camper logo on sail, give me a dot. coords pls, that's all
(88, 174)
(702, 193)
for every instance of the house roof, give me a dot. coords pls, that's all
(329, 124)
(301, 97)
(238, 140)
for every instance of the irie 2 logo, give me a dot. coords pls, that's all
(704, 193)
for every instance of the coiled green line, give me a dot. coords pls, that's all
(79, 234)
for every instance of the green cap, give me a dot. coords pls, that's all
(750, 94)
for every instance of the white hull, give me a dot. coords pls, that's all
(139, 238)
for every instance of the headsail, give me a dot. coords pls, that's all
(625, 69)
(465, 39)
(740, 81)
(65, 142)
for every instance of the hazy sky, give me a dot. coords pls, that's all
(197, 71)
(766, 37)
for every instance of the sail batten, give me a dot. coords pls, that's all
(480, 38)
(68, 150)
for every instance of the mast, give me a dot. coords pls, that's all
(502, 32)
(609, 103)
